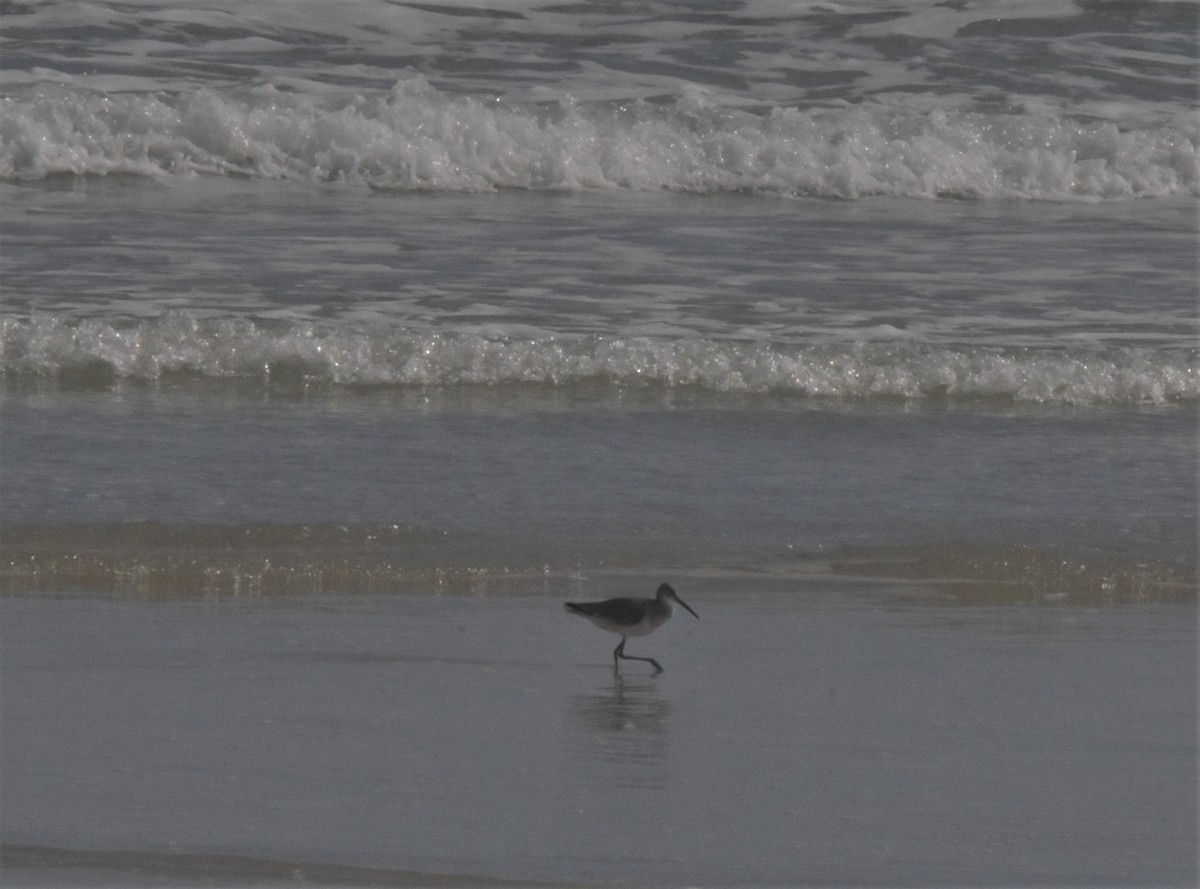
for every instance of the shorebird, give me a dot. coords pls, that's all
(631, 617)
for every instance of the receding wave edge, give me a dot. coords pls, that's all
(149, 560)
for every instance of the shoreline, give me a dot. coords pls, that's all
(159, 561)
(30, 865)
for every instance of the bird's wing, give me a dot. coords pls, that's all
(626, 612)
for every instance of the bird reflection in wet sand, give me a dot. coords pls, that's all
(621, 734)
(631, 617)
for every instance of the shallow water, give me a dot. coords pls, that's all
(757, 482)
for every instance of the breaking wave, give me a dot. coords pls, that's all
(93, 352)
(415, 137)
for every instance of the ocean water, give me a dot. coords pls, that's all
(813, 309)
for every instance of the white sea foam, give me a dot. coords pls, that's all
(415, 137)
(242, 350)
(990, 99)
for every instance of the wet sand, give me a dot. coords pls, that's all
(804, 733)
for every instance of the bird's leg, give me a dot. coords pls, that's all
(620, 653)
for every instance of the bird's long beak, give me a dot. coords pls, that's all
(687, 606)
